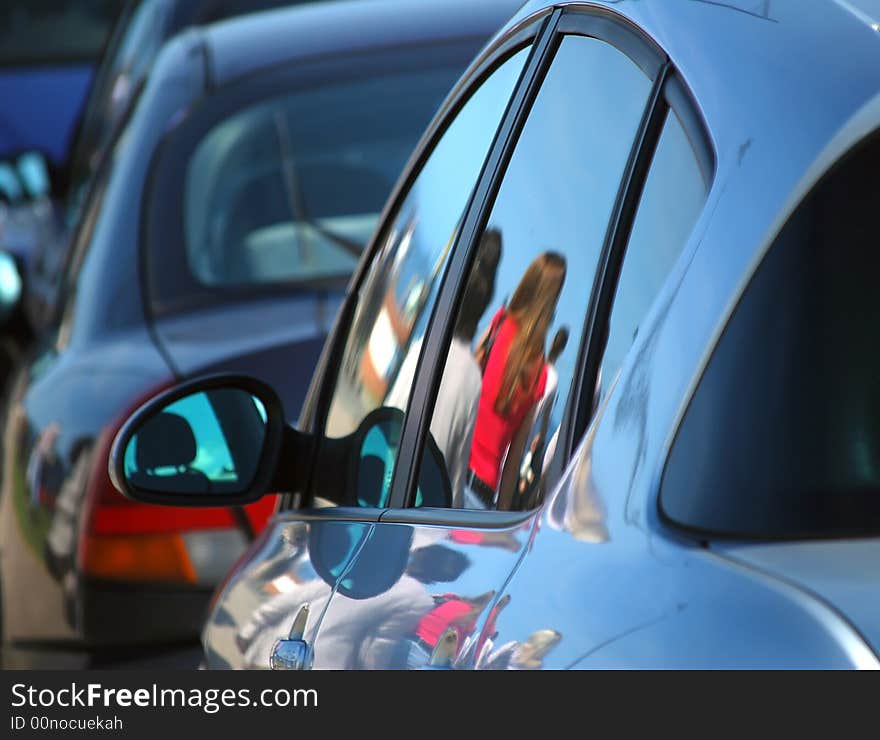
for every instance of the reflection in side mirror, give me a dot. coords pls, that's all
(209, 442)
(33, 171)
(376, 443)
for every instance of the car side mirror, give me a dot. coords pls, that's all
(214, 441)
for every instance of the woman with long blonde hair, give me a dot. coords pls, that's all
(515, 373)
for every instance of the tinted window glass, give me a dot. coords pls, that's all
(511, 361)
(384, 340)
(291, 188)
(782, 436)
(671, 201)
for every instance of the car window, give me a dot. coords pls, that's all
(515, 339)
(290, 189)
(672, 199)
(383, 342)
(782, 436)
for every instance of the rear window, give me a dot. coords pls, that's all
(782, 436)
(290, 189)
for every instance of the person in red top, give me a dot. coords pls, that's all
(514, 380)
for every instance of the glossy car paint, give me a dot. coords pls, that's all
(107, 356)
(594, 578)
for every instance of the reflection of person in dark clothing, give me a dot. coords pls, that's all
(533, 462)
(455, 409)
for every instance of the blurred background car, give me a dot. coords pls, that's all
(49, 50)
(219, 235)
(46, 169)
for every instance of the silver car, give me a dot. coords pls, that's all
(604, 390)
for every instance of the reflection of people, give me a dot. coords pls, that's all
(452, 423)
(514, 380)
(355, 633)
(526, 655)
(44, 469)
(459, 613)
(533, 462)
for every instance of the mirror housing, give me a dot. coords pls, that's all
(221, 440)
(211, 441)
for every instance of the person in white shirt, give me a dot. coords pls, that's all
(455, 411)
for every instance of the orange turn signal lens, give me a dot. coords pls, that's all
(161, 558)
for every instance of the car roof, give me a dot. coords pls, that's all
(762, 64)
(326, 28)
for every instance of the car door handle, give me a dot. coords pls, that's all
(294, 653)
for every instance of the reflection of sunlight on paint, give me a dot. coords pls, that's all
(383, 345)
(261, 409)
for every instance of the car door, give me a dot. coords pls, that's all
(306, 554)
(463, 480)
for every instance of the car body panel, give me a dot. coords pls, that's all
(357, 27)
(838, 573)
(367, 612)
(291, 565)
(617, 594)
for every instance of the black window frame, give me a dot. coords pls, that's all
(627, 39)
(670, 97)
(316, 408)
(163, 246)
(545, 31)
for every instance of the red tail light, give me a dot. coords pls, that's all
(125, 540)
